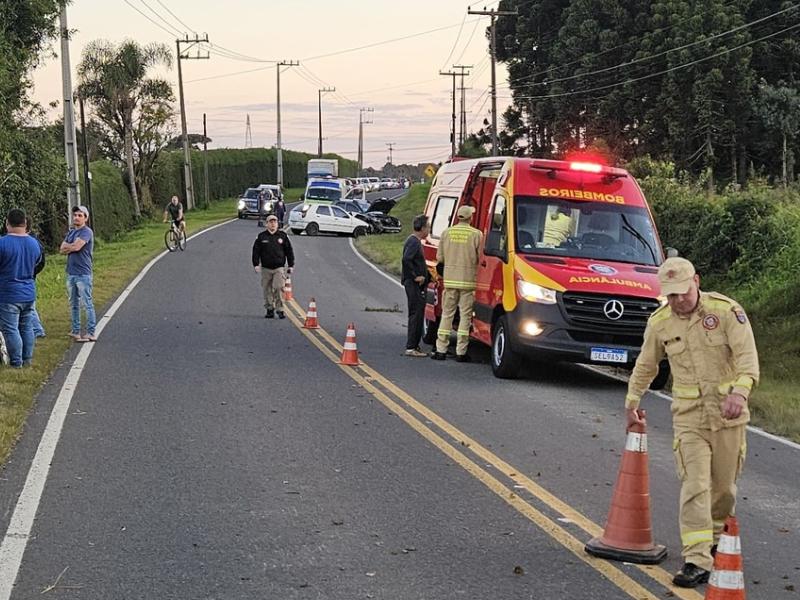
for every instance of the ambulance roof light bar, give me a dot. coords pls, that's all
(552, 166)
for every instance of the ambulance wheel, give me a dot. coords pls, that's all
(660, 382)
(505, 362)
(429, 331)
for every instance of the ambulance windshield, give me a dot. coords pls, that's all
(594, 230)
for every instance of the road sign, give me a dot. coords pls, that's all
(430, 171)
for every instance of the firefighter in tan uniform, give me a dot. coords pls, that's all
(458, 249)
(712, 355)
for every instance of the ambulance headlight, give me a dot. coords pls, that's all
(536, 293)
(241, 205)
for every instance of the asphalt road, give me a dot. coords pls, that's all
(208, 453)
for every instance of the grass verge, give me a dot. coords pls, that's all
(115, 264)
(775, 405)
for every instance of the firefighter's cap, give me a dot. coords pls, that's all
(465, 212)
(676, 275)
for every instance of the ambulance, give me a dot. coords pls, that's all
(569, 263)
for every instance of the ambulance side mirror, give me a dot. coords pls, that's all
(495, 245)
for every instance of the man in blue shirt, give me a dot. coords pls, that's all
(78, 246)
(19, 254)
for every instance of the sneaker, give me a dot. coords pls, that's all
(76, 336)
(281, 314)
(438, 356)
(270, 314)
(463, 358)
(690, 576)
(90, 338)
(415, 352)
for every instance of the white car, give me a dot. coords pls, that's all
(325, 218)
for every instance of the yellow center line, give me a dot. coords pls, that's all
(562, 536)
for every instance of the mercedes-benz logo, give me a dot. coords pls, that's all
(613, 309)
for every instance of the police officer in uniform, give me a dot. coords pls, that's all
(458, 249)
(709, 343)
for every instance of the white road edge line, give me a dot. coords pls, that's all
(21, 524)
(756, 430)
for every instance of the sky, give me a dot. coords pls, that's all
(352, 45)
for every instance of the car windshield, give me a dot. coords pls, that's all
(323, 193)
(596, 230)
(252, 193)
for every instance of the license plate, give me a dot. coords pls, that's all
(609, 355)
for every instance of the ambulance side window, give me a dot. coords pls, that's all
(496, 239)
(442, 215)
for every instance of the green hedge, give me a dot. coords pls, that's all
(231, 171)
(112, 207)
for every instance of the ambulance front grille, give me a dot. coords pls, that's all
(590, 310)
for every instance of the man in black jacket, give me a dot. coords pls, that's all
(271, 251)
(415, 281)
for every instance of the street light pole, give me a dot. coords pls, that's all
(320, 92)
(361, 123)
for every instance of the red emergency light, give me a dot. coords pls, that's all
(586, 167)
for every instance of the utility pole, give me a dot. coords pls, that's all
(187, 157)
(320, 92)
(391, 146)
(361, 123)
(87, 176)
(283, 63)
(453, 127)
(493, 53)
(205, 161)
(248, 135)
(70, 144)
(462, 126)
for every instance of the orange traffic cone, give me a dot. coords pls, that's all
(628, 535)
(311, 316)
(350, 351)
(727, 576)
(287, 290)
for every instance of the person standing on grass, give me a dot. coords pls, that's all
(415, 279)
(78, 245)
(19, 254)
(38, 328)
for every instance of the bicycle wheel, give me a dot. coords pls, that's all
(171, 241)
(182, 240)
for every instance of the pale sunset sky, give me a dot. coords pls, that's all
(399, 79)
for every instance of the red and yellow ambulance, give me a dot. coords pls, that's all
(568, 268)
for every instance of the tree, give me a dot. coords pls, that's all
(779, 109)
(195, 141)
(114, 79)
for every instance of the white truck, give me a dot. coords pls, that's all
(323, 167)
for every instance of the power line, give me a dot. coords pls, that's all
(652, 56)
(176, 31)
(174, 16)
(664, 72)
(453, 49)
(170, 33)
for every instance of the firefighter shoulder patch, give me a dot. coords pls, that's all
(740, 316)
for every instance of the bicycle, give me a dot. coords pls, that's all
(175, 238)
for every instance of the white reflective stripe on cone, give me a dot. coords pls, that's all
(729, 544)
(349, 346)
(636, 442)
(727, 580)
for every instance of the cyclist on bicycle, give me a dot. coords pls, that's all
(175, 211)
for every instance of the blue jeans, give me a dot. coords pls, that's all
(17, 328)
(38, 328)
(79, 289)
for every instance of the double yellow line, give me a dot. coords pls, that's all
(457, 448)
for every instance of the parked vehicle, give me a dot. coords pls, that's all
(325, 218)
(323, 167)
(325, 190)
(381, 208)
(568, 269)
(374, 184)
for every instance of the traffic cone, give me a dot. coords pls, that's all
(727, 577)
(350, 350)
(311, 316)
(628, 534)
(287, 290)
